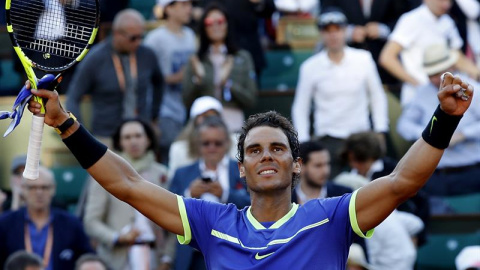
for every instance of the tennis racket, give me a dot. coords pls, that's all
(51, 36)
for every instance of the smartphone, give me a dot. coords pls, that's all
(206, 179)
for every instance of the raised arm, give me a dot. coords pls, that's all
(111, 171)
(375, 201)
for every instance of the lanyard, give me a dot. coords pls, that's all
(119, 69)
(48, 246)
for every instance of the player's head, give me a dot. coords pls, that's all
(23, 260)
(215, 28)
(268, 151)
(438, 7)
(128, 28)
(438, 59)
(315, 164)
(213, 140)
(361, 150)
(332, 24)
(134, 137)
(90, 262)
(176, 10)
(38, 194)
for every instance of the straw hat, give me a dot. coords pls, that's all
(438, 58)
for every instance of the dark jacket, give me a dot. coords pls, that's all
(69, 238)
(96, 76)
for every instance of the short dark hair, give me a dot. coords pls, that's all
(363, 146)
(308, 147)
(21, 259)
(275, 120)
(89, 257)
(148, 131)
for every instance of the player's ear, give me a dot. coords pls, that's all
(241, 168)
(297, 165)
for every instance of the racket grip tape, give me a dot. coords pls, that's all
(34, 147)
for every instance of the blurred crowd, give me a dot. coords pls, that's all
(172, 100)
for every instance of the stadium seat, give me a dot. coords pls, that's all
(70, 181)
(143, 6)
(441, 249)
(464, 204)
(282, 69)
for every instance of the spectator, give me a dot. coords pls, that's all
(13, 199)
(392, 246)
(466, 13)
(468, 258)
(124, 235)
(343, 94)
(356, 258)
(22, 260)
(90, 262)
(459, 170)
(121, 75)
(184, 150)
(308, 8)
(364, 154)
(370, 23)
(55, 235)
(214, 177)
(174, 44)
(221, 70)
(315, 174)
(245, 17)
(416, 30)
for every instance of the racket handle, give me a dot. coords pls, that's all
(34, 146)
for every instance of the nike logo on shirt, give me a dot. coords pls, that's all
(259, 257)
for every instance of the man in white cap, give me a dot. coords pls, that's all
(459, 170)
(182, 151)
(468, 258)
(173, 44)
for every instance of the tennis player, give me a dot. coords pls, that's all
(272, 233)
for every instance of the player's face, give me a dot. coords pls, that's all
(439, 7)
(38, 194)
(213, 144)
(317, 170)
(334, 37)
(216, 26)
(133, 140)
(181, 11)
(268, 165)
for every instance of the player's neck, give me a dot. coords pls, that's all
(266, 208)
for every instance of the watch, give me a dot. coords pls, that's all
(67, 124)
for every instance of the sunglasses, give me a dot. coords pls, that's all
(132, 38)
(218, 21)
(41, 187)
(214, 143)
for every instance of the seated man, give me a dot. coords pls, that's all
(213, 177)
(315, 174)
(55, 235)
(459, 169)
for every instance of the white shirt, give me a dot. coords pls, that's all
(415, 31)
(391, 246)
(342, 95)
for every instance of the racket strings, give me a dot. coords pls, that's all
(52, 33)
